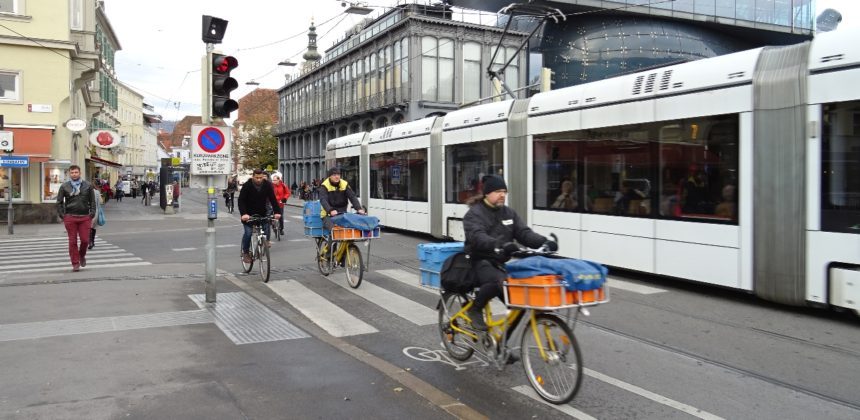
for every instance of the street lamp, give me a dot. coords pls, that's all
(287, 63)
(252, 83)
(355, 8)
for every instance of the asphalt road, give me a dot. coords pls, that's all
(661, 349)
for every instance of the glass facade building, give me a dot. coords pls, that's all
(588, 49)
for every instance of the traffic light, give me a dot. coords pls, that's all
(546, 79)
(223, 84)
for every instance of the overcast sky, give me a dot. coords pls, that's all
(162, 47)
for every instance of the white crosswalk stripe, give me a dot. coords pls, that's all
(38, 255)
(320, 310)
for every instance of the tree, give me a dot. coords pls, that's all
(260, 147)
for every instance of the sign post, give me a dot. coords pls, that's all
(10, 161)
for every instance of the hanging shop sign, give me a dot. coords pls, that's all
(76, 125)
(105, 139)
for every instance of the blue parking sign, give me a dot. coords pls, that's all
(13, 161)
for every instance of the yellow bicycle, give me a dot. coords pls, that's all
(338, 248)
(548, 349)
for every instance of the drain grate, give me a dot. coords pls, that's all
(245, 321)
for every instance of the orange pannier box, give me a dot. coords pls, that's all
(341, 233)
(548, 292)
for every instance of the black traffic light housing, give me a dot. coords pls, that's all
(213, 29)
(223, 84)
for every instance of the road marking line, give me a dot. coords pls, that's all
(226, 246)
(47, 239)
(182, 249)
(413, 280)
(297, 217)
(633, 287)
(693, 411)
(36, 247)
(89, 266)
(65, 263)
(320, 310)
(54, 252)
(566, 409)
(407, 309)
(91, 256)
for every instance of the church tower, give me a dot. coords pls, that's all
(311, 56)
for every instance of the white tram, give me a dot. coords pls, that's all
(741, 170)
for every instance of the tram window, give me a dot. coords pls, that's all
(399, 175)
(556, 177)
(618, 171)
(349, 171)
(840, 165)
(467, 164)
(698, 168)
(683, 169)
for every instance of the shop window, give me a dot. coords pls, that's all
(17, 175)
(53, 176)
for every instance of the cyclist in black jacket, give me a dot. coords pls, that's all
(491, 227)
(253, 199)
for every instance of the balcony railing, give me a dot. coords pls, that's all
(374, 102)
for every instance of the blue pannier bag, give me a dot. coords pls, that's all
(576, 274)
(356, 221)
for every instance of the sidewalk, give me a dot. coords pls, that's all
(142, 343)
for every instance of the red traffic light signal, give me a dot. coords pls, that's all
(223, 84)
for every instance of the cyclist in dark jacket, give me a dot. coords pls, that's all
(253, 200)
(335, 195)
(491, 227)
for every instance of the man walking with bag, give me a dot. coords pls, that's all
(76, 207)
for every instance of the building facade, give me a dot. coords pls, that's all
(599, 39)
(52, 60)
(411, 62)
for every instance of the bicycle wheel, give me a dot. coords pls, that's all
(454, 342)
(323, 260)
(265, 262)
(276, 231)
(354, 266)
(557, 374)
(247, 266)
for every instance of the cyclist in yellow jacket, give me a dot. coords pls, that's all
(335, 195)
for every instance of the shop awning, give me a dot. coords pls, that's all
(33, 142)
(105, 162)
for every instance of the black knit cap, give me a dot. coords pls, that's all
(333, 171)
(493, 183)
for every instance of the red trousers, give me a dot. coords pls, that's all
(77, 227)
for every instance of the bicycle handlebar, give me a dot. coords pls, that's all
(256, 218)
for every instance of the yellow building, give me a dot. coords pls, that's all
(56, 58)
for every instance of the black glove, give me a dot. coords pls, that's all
(510, 247)
(550, 246)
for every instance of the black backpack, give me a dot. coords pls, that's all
(456, 275)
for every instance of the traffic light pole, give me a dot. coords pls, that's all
(205, 113)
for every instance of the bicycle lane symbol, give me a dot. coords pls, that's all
(426, 355)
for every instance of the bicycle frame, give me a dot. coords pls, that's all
(498, 329)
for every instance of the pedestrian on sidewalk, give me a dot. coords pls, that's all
(176, 194)
(99, 220)
(143, 191)
(76, 207)
(119, 191)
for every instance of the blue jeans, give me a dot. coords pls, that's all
(246, 237)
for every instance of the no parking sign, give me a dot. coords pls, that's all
(210, 150)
